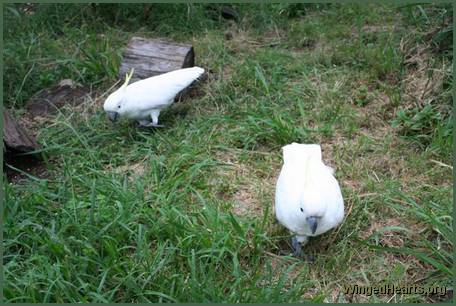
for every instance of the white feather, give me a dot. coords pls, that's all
(305, 182)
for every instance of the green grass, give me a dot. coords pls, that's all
(185, 213)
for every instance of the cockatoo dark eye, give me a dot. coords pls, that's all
(118, 106)
(302, 209)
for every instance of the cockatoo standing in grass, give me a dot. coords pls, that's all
(143, 100)
(308, 199)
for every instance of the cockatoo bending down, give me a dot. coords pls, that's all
(143, 100)
(308, 200)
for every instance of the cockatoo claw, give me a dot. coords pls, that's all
(149, 124)
(297, 250)
(298, 253)
(310, 258)
(284, 253)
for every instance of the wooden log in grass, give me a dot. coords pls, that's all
(67, 92)
(150, 57)
(15, 137)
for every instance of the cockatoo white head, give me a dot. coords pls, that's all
(307, 158)
(113, 105)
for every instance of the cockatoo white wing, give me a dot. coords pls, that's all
(331, 199)
(287, 199)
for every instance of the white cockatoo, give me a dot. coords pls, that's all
(308, 200)
(143, 100)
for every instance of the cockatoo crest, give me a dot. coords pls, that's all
(128, 77)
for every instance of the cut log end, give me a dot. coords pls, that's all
(15, 137)
(150, 57)
(16, 141)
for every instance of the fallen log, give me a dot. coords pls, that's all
(17, 140)
(50, 99)
(15, 137)
(150, 57)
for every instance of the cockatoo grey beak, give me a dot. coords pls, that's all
(313, 223)
(113, 116)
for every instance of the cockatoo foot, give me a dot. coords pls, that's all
(297, 249)
(157, 125)
(298, 252)
(284, 253)
(144, 123)
(310, 258)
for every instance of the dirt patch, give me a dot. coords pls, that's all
(329, 148)
(374, 115)
(371, 32)
(243, 185)
(132, 170)
(244, 203)
(392, 167)
(423, 82)
(238, 40)
(136, 169)
(246, 200)
(390, 237)
(378, 28)
(26, 164)
(277, 265)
